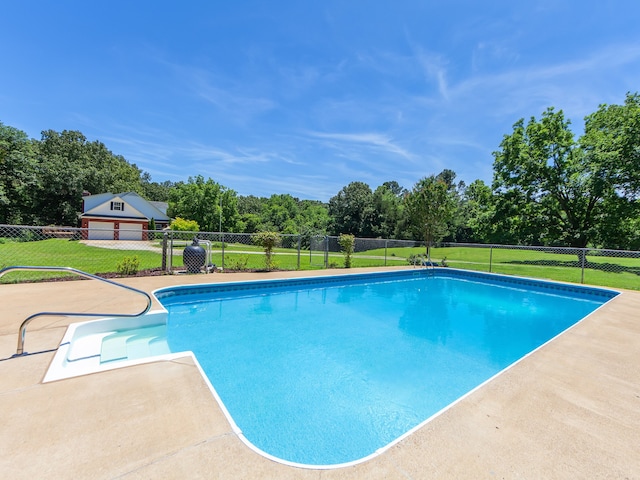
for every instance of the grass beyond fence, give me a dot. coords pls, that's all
(600, 268)
(65, 253)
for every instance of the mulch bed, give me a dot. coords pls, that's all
(152, 272)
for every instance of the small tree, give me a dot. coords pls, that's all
(430, 207)
(268, 241)
(347, 243)
(152, 227)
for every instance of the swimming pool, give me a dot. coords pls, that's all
(328, 371)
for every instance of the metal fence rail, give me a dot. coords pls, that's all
(161, 252)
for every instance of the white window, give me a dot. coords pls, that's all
(117, 206)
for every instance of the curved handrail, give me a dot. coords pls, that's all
(23, 326)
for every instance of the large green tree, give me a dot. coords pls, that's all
(352, 210)
(611, 145)
(314, 218)
(205, 201)
(67, 165)
(155, 191)
(389, 210)
(458, 230)
(476, 214)
(250, 211)
(280, 213)
(17, 175)
(551, 189)
(539, 175)
(284, 214)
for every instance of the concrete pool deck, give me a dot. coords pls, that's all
(569, 410)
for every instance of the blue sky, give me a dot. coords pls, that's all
(304, 97)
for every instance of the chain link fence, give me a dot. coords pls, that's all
(594, 266)
(165, 252)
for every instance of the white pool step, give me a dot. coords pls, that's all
(133, 344)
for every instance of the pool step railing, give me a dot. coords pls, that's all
(23, 326)
(134, 344)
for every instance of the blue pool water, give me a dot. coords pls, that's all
(328, 371)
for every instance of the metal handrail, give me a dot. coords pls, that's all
(23, 327)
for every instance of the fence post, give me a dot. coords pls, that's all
(171, 251)
(584, 257)
(385, 251)
(490, 257)
(326, 251)
(164, 252)
(222, 247)
(299, 248)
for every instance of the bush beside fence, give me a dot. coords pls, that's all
(162, 253)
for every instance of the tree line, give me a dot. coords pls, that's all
(548, 188)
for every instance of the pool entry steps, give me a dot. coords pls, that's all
(134, 344)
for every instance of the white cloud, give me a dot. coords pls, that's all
(557, 83)
(234, 98)
(434, 69)
(376, 141)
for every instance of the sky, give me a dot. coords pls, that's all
(304, 97)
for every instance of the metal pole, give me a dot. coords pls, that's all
(220, 225)
(171, 252)
(164, 252)
(222, 246)
(584, 256)
(220, 230)
(299, 247)
(490, 257)
(385, 252)
(326, 252)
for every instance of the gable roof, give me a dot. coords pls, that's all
(147, 209)
(162, 206)
(92, 201)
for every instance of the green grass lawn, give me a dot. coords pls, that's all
(65, 253)
(604, 271)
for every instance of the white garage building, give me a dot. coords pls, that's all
(120, 216)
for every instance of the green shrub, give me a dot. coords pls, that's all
(239, 263)
(268, 241)
(182, 225)
(28, 236)
(128, 266)
(347, 243)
